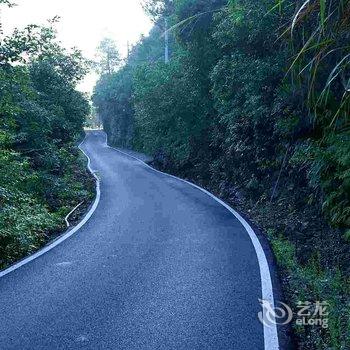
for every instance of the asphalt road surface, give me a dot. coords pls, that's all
(159, 265)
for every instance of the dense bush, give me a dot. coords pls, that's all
(254, 105)
(116, 116)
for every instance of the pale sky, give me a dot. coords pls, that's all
(83, 23)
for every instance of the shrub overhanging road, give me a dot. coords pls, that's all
(159, 265)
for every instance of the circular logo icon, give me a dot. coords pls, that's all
(273, 315)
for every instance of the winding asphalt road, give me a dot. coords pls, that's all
(159, 265)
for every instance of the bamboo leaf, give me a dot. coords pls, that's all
(323, 12)
(295, 19)
(335, 72)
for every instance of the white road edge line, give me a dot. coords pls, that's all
(71, 212)
(270, 332)
(67, 234)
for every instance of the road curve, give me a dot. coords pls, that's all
(159, 265)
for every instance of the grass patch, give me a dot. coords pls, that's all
(310, 282)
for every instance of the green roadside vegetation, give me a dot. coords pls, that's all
(254, 105)
(43, 174)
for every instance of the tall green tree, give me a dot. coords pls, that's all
(108, 56)
(41, 117)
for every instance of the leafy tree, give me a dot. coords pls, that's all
(158, 9)
(113, 101)
(108, 57)
(41, 116)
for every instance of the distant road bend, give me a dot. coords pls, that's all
(159, 265)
